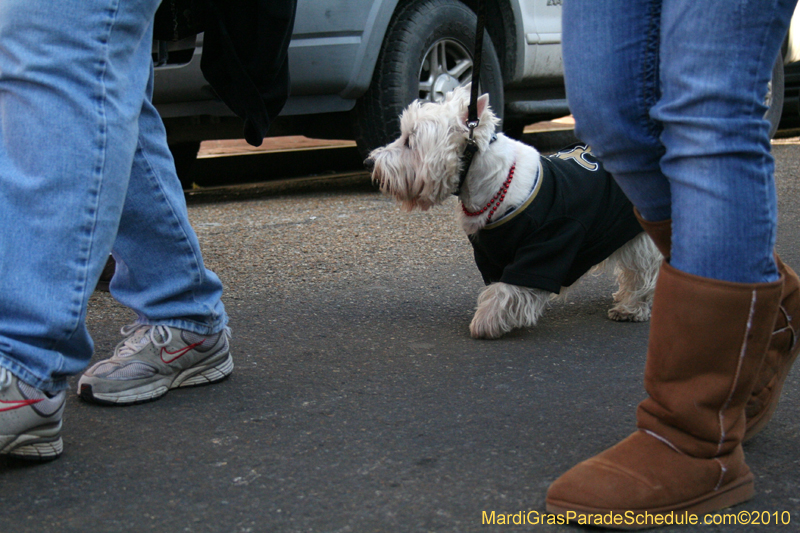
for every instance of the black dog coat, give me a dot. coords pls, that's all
(575, 217)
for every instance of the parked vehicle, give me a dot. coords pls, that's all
(355, 64)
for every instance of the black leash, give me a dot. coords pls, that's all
(476, 65)
(472, 111)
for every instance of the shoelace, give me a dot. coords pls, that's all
(27, 391)
(136, 342)
(5, 378)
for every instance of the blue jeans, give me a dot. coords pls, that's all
(670, 95)
(84, 167)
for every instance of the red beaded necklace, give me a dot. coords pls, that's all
(496, 200)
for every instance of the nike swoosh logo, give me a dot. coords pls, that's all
(16, 404)
(178, 353)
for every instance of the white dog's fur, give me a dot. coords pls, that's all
(421, 169)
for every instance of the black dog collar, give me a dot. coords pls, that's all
(466, 159)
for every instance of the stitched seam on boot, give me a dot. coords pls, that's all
(742, 353)
(664, 440)
(722, 473)
(788, 318)
(788, 327)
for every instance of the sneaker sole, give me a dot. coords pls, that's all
(191, 377)
(38, 450)
(42, 444)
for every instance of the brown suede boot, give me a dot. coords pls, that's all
(783, 347)
(782, 352)
(660, 232)
(707, 341)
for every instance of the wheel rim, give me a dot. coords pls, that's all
(446, 65)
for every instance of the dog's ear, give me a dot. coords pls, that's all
(483, 103)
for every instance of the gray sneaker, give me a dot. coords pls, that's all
(30, 420)
(154, 359)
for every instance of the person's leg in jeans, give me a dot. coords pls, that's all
(161, 276)
(73, 79)
(612, 80)
(674, 86)
(155, 238)
(71, 88)
(678, 119)
(72, 82)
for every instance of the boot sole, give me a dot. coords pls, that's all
(733, 494)
(766, 415)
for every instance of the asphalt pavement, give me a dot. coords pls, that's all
(359, 402)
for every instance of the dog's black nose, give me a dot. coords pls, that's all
(369, 164)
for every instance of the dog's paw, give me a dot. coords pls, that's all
(621, 313)
(484, 328)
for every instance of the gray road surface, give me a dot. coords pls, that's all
(359, 402)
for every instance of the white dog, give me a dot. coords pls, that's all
(536, 224)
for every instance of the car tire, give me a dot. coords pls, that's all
(514, 128)
(774, 100)
(416, 31)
